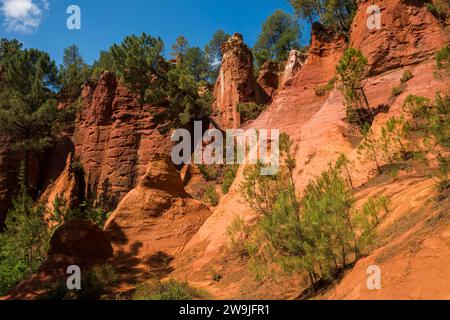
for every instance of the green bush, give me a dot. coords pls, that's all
(212, 195)
(396, 91)
(229, 177)
(439, 8)
(94, 284)
(170, 290)
(24, 242)
(350, 75)
(250, 111)
(319, 234)
(210, 173)
(324, 90)
(407, 75)
(86, 210)
(443, 62)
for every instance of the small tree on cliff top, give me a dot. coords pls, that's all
(74, 72)
(214, 54)
(280, 34)
(337, 14)
(142, 68)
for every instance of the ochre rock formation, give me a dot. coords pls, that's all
(268, 80)
(317, 125)
(114, 139)
(409, 34)
(236, 82)
(156, 216)
(294, 63)
(66, 188)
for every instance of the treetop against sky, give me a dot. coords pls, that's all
(43, 23)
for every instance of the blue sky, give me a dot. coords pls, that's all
(42, 23)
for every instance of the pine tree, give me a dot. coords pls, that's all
(74, 72)
(280, 34)
(350, 77)
(142, 68)
(369, 147)
(337, 14)
(214, 54)
(24, 242)
(28, 113)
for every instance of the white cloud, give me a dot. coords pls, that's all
(23, 15)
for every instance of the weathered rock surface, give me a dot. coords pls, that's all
(66, 188)
(115, 138)
(156, 216)
(409, 34)
(317, 125)
(236, 82)
(294, 63)
(268, 80)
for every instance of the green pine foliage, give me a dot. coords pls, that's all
(317, 235)
(170, 290)
(368, 148)
(141, 66)
(335, 14)
(250, 111)
(229, 176)
(421, 132)
(61, 214)
(280, 34)
(23, 243)
(28, 107)
(214, 53)
(407, 75)
(212, 195)
(74, 72)
(440, 9)
(350, 77)
(95, 284)
(443, 63)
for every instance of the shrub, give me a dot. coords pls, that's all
(86, 210)
(324, 90)
(24, 242)
(94, 284)
(396, 91)
(250, 111)
(407, 75)
(77, 167)
(238, 232)
(439, 8)
(443, 62)
(210, 173)
(228, 178)
(170, 290)
(317, 235)
(442, 177)
(212, 195)
(350, 75)
(369, 147)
